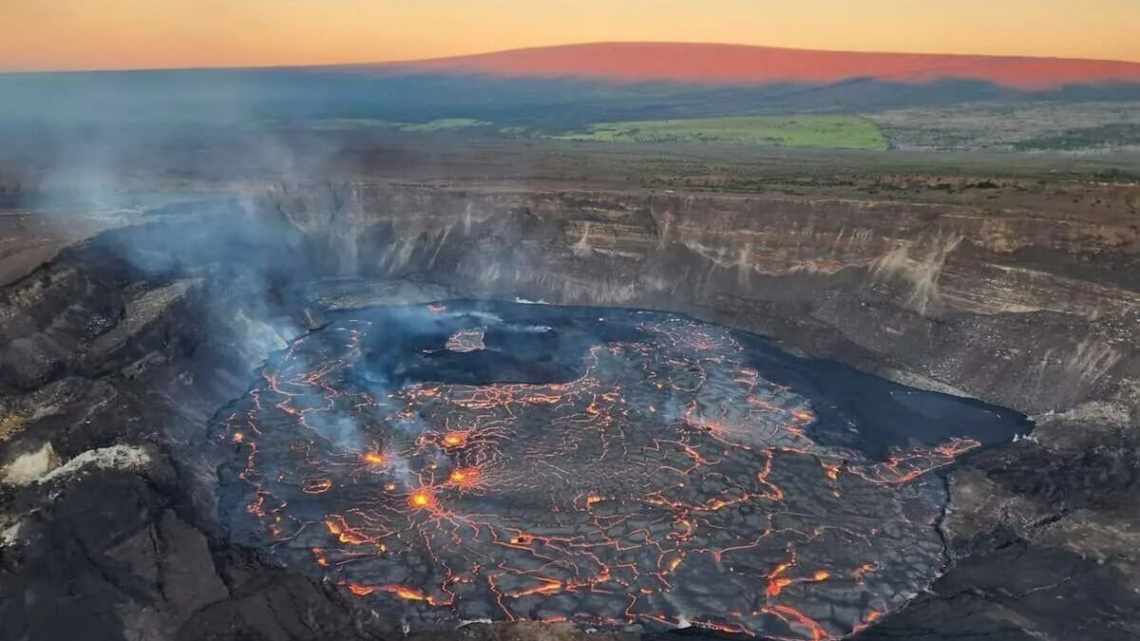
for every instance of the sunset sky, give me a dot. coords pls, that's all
(123, 34)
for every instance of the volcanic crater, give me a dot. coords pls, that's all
(314, 412)
(468, 460)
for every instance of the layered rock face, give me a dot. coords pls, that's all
(1011, 292)
(1018, 297)
(1036, 311)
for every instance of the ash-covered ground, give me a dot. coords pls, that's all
(470, 461)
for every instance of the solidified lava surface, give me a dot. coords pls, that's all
(477, 460)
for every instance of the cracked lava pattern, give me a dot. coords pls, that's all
(668, 484)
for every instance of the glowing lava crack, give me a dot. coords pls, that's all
(669, 482)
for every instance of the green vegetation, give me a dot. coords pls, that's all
(442, 124)
(517, 132)
(344, 124)
(833, 132)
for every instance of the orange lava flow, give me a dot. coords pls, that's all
(454, 439)
(668, 467)
(422, 500)
(466, 479)
(360, 590)
(374, 458)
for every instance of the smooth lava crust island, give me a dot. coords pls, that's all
(469, 460)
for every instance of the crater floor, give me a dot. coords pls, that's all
(468, 461)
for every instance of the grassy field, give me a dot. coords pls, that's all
(443, 124)
(830, 132)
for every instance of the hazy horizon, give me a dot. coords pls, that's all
(71, 35)
(396, 62)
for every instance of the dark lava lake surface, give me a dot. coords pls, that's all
(472, 460)
(535, 343)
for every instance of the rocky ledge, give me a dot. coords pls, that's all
(115, 355)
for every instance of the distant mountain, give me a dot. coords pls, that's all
(749, 65)
(563, 89)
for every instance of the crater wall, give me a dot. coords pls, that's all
(116, 354)
(1034, 311)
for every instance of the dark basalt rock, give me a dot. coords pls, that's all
(1020, 591)
(136, 339)
(108, 557)
(267, 604)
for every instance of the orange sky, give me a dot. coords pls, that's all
(101, 34)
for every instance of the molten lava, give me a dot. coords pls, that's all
(421, 499)
(670, 481)
(454, 439)
(465, 478)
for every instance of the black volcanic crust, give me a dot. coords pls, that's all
(137, 339)
(640, 476)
